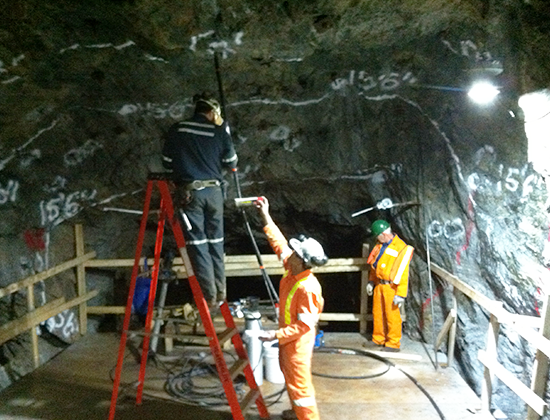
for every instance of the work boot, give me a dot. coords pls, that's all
(391, 349)
(213, 307)
(289, 415)
(372, 345)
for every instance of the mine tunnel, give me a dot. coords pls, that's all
(432, 116)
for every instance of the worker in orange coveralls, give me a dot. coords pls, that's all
(301, 304)
(388, 284)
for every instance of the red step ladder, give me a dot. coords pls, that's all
(226, 374)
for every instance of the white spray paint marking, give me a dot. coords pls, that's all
(291, 143)
(289, 60)
(59, 183)
(485, 153)
(266, 101)
(222, 47)
(77, 156)
(195, 39)
(469, 49)
(63, 323)
(57, 210)
(238, 40)
(16, 60)
(515, 180)
(5, 161)
(9, 192)
(281, 133)
(176, 110)
(72, 47)
(14, 63)
(434, 123)
(98, 46)
(367, 82)
(449, 46)
(10, 80)
(152, 58)
(450, 229)
(27, 160)
(114, 197)
(125, 45)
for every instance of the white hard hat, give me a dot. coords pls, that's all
(309, 250)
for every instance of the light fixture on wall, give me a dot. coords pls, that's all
(483, 90)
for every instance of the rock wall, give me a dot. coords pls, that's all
(334, 107)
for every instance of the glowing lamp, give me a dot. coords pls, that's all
(483, 92)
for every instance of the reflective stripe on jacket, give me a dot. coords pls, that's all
(197, 149)
(301, 300)
(393, 265)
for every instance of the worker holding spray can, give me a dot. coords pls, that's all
(301, 304)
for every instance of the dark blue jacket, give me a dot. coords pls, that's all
(197, 149)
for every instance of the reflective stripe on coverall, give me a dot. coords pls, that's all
(301, 303)
(393, 266)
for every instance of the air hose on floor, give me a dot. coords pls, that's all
(389, 363)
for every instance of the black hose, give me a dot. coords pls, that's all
(349, 351)
(334, 350)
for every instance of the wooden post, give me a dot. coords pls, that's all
(364, 309)
(81, 278)
(34, 336)
(540, 367)
(491, 352)
(452, 333)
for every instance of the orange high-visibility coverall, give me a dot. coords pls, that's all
(301, 302)
(391, 278)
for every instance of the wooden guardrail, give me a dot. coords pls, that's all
(523, 325)
(247, 265)
(236, 266)
(37, 315)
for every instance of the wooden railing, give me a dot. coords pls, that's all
(236, 266)
(36, 315)
(247, 265)
(523, 325)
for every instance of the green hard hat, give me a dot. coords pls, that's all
(379, 226)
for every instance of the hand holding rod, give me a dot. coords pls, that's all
(269, 285)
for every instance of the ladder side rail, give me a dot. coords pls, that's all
(242, 354)
(126, 325)
(151, 304)
(217, 353)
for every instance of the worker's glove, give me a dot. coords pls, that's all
(268, 335)
(398, 301)
(370, 288)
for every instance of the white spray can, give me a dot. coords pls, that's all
(247, 201)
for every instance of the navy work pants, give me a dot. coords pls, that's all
(205, 241)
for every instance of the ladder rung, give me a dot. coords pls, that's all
(238, 367)
(226, 335)
(249, 399)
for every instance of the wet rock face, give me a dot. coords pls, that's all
(334, 107)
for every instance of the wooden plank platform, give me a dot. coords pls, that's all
(76, 385)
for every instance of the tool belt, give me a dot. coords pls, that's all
(200, 185)
(385, 282)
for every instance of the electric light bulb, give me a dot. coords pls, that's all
(483, 92)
